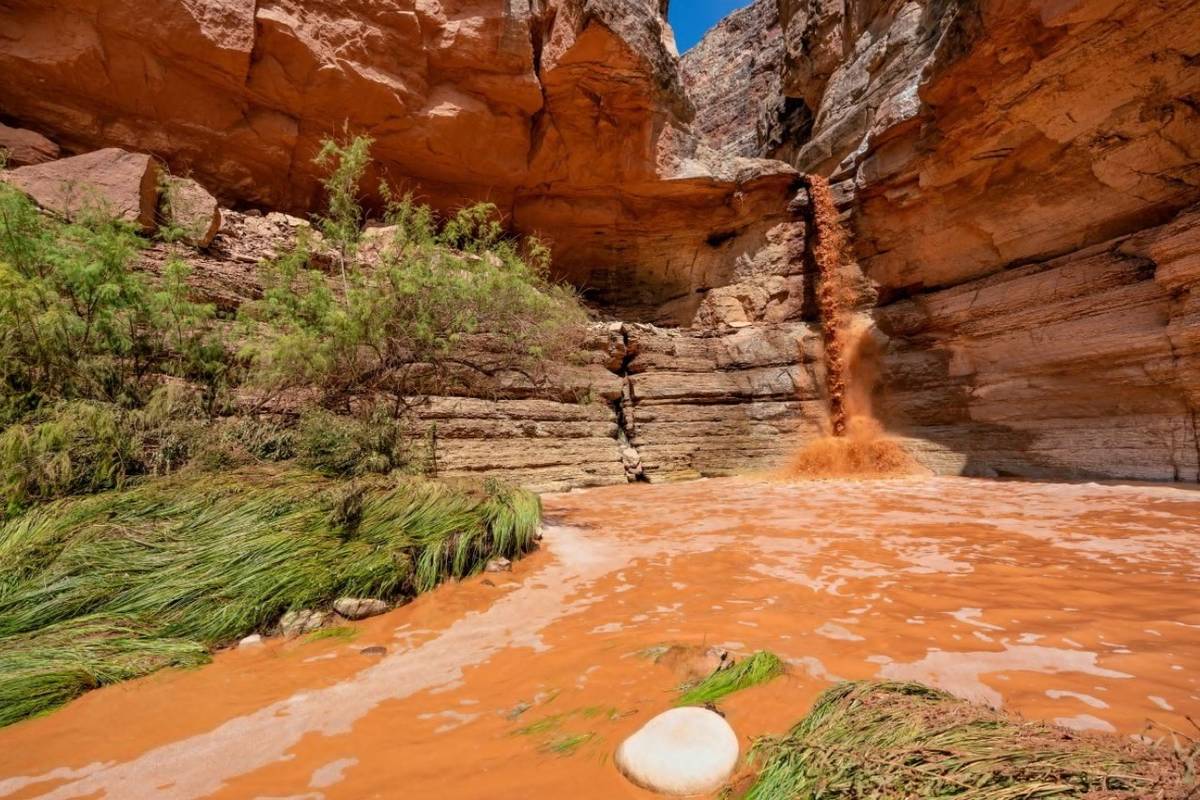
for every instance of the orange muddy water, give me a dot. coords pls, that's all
(1073, 603)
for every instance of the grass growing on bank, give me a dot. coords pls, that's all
(106, 588)
(870, 741)
(761, 667)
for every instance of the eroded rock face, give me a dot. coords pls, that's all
(1016, 178)
(735, 78)
(971, 136)
(189, 207)
(1083, 366)
(568, 114)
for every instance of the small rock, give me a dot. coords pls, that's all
(297, 623)
(110, 181)
(359, 608)
(24, 148)
(188, 206)
(684, 751)
(253, 640)
(517, 710)
(499, 565)
(374, 650)
(487, 582)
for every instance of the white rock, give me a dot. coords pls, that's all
(253, 640)
(680, 752)
(359, 608)
(295, 623)
(499, 565)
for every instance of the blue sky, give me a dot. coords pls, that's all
(691, 19)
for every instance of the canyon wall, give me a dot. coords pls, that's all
(1020, 181)
(640, 402)
(567, 114)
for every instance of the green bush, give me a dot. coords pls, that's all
(107, 372)
(77, 322)
(339, 446)
(433, 312)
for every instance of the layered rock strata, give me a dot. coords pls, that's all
(641, 403)
(966, 137)
(1016, 179)
(1084, 366)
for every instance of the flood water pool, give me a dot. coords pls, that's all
(1075, 603)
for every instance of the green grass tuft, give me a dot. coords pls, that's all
(343, 633)
(117, 585)
(761, 667)
(568, 744)
(871, 741)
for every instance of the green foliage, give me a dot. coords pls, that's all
(432, 312)
(78, 323)
(761, 667)
(474, 229)
(105, 588)
(876, 741)
(338, 446)
(79, 447)
(346, 162)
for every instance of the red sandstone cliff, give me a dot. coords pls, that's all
(569, 115)
(1020, 181)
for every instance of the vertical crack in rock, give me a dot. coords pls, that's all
(630, 458)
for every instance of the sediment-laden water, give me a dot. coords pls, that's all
(1072, 603)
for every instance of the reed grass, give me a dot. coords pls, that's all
(109, 587)
(870, 741)
(759, 668)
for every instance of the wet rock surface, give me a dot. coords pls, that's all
(298, 623)
(356, 608)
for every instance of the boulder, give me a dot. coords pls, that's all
(253, 640)
(359, 608)
(110, 181)
(684, 751)
(23, 148)
(188, 207)
(298, 623)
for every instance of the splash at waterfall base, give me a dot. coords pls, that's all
(856, 445)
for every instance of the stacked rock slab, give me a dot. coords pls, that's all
(639, 403)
